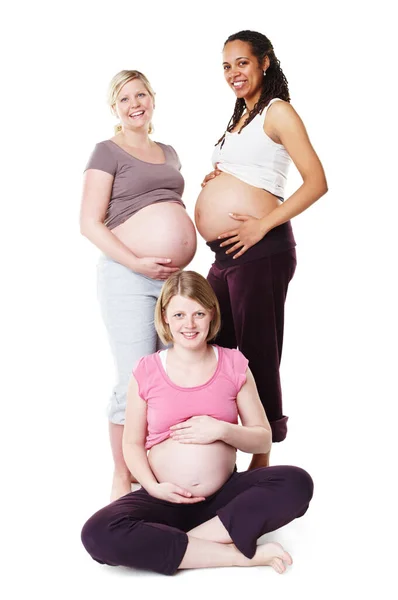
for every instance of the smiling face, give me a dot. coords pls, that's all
(188, 321)
(134, 105)
(242, 71)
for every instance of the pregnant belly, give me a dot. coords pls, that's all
(162, 230)
(198, 468)
(225, 194)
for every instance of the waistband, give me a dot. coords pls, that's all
(277, 240)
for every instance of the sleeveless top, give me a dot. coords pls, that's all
(253, 157)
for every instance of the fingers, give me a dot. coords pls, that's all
(181, 500)
(183, 425)
(239, 217)
(238, 245)
(230, 241)
(241, 252)
(181, 491)
(228, 234)
(210, 176)
(159, 261)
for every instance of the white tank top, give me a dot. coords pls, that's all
(253, 157)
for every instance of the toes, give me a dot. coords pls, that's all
(287, 558)
(278, 565)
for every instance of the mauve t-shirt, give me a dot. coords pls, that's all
(136, 183)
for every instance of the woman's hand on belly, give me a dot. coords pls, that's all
(198, 430)
(155, 268)
(174, 493)
(210, 176)
(249, 233)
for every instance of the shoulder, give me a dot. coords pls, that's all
(171, 152)
(145, 364)
(282, 113)
(234, 358)
(102, 158)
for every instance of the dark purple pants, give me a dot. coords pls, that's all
(251, 292)
(146, 533)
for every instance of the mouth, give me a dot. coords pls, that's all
(238, 84)
(137, 114)
(190, 336)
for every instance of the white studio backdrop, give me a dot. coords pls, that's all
(339, 354)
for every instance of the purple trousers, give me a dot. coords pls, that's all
(146, 533)
(251, 291)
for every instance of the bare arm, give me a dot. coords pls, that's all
(134, 436)
(254, 435)
(135, 454)
(96, 195)
(97, 186)
(289, 129)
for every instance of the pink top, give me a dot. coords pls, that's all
(169, 404)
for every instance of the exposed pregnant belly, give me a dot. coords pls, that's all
(199, 468)
(162, 230)
(224, 194)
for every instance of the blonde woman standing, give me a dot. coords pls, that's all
(133, 212)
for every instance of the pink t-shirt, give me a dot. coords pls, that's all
(169, 404)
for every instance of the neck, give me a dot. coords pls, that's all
(251, 102)
(187, 356)
(136, 139)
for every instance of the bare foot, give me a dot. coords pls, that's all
(259, 460)
(273, 555)
(121, 485)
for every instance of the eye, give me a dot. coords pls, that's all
(178, 315)
(142, 94)
(226, 67)
(201, 314)
(242, 63)
(123, 99)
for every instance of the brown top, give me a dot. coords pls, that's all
(136, 183)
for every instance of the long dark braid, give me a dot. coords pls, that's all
(274, 84)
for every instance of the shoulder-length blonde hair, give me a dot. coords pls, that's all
(190, 285)
(116, 84)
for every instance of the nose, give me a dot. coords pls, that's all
(190, 322)
(135, 103)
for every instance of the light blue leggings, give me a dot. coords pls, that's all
(127, 302)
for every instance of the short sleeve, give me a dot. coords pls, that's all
(240, 365)
(176, 157)
(103, 159)
(141, 376)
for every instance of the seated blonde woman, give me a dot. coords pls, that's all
(180, 440)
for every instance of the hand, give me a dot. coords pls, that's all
(173, 493)
(249, 233)
(210, 176)
(197, 430)
(154, 267)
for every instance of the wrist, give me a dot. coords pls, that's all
(134, 264)
(224, 430)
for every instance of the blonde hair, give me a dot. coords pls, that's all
(190, 285)
(116, 84)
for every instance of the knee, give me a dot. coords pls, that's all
(300, 483)
(94, 537)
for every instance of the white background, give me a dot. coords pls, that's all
(339, 359)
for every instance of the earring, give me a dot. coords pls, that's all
(264, 73)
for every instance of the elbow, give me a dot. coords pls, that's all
(87, 228)
(266, 441)
(84, 228)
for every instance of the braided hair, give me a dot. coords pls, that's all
(274, 84)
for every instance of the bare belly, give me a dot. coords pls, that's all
(199, 468)
(162, 230)
(224, 194)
